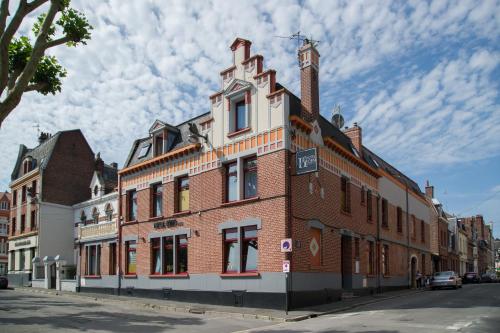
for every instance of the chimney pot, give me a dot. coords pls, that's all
(355, 134)
(429, 190)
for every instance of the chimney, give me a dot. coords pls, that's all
(43, 137)
(309, 82)
(429, 190)
(114, 165)
(355, 134)
(241, 50)
(99, 163)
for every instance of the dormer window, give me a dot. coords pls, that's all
(144, 150)
(28, 164)
(159, 142)
(96, 190)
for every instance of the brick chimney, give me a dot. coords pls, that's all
(309, 81)
(429, 190)
(355, 134)
(99, 163)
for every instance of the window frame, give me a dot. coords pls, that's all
(112, 258)
(156, 193)
(242, 102)
(399, 219)
(132, 205)
(226, 242)
(23, 223)
(369, 206)
(371, 258)
(178, 247)
(422, 231)
(180, 188)
(345, 195)
(93, 269)
(166, 246)
(128, 251)
(385, 213)
(155, 247)
(247, 170)
(385, 260)
(230, 175)
(245, 243)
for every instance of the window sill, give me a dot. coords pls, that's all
(155, 218)
(130, 222)
(239, 202)
(184, 212)
(92, 276)
(169, 276)
(236, 133)
(370, 275)
(242, 275)
(343, 212)
(130, 276)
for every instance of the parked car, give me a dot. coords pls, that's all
(4, 282)
(489, 277)
(446, 279)
(471, 277)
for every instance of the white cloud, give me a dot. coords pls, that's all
(161, 59)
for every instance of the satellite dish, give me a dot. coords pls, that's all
(338, 120)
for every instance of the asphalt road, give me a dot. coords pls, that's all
(475, 308)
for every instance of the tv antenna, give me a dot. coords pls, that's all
(37, 126)
(337, 118)
(300, 38)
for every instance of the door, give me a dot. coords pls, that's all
(346, 262)
(53, 276)
(413, 275)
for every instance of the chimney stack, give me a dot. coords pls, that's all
(429, 190)
(44, 136)
(309, 81)
(355, 134)
(99, 163)
(114, 165)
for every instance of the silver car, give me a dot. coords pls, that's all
(446, 279)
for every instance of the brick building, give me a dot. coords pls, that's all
(440, 239)
(205, 204)
(46, 181)
(96, 229)
(4, 227)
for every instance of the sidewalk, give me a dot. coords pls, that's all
(217, 310)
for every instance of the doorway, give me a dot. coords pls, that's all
(346, 262)
(413, 275)
(52, 269)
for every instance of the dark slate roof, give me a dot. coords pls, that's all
(40, 154)
(181, 140)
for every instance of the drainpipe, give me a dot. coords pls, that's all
(119, 225)
(378, 244)
(408, 236)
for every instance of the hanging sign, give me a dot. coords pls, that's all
(306, 161)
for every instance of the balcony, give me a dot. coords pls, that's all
(100, 230)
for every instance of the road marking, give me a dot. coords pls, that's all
(459, 325)
(259, 328)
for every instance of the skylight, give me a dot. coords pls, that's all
(144, 150)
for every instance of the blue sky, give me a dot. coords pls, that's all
(420, 77)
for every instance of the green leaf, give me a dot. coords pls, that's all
(50, 73)
(37, 26)
(75, 25)
(19, 53)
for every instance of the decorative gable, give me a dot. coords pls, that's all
(157, 125)
(236, 87)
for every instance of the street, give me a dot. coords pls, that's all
(475, 308)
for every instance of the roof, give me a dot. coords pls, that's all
(109, 178)
(180, 134)
(4, 195)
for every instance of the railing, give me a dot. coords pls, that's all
(97, 230)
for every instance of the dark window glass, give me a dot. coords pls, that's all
(369, 208)
(250, 171)
(23, 194)
(93, 263)
(240, 116)
(14, 198)
(230, 250)
(345, 195)
(112, 259)
(33, 220)
(23, 222)
(385, 217)
(232, 182)
(422, 232)
(371, 258)
(250, 249)
(95, 216)
(385, 259)
(155, 256)
(168, 255)
(182, 254)
(157, 190)
(399, 219)
(132, 205)
(158, 145)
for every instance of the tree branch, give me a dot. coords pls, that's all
(58, 41)
(4, 13)
(35, 87)
(12, 78)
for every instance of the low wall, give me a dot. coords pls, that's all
(68, 285)
(19, 279)
(38, 283)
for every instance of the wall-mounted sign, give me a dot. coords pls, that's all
(23, 242)
(167, 224)
(286, 266)
(286, 245)
(306, 161)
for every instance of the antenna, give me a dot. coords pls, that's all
(337, 118)
(300, 38)
(37, 126)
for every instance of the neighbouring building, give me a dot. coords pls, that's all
(4, 231)
(453, 253)
(96, 230)
(46, 181)
(439, 232)
(462, 246)
(205, 204)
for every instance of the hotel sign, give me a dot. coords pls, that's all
(22, 243)
(167, 224)
(306, 161)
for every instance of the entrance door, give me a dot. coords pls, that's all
(346, 262)
(53, 276)
(413, 272)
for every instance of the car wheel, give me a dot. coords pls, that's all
(455, 286)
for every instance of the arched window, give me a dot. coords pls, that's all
(83, 217)
(95, 215)
(96, 190)
(109, 212)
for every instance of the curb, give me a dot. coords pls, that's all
(201, 311)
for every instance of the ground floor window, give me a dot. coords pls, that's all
(250, 248)
(385, 259)
(173, 250)
(93, 260)
(130, 257)
(241, 250)
(21, 260)
(231, 250)
(423, 263)
(112, 258)
(371, 258)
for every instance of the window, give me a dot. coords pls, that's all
(371, 258)
(182, 254)
(369, 208)
(183, 194)
(144, 151)
(315, 247)
(112, 258)
(231, 250)
(356, 255)
(21, 259)
(32, 190)
(83, 217)
(250, 249)
(232, 182)
(168, 255)
(33, 220)
(157, 196)
(132, 205)
(158, 145)
(4, 205)
(250, 175)
(23, 194)
(96, 190)
(14, 197)
(422, 231)
(363, 195)
(345, 195)
(93, 260)
(399, 219)
(95, 216)
(385, 216)
(385, 259)
(131, 259)
(413, 227)
(155, 256)
(109, 212)
(240, 116)
(23, 222)
(13, 225)
(423, 263)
